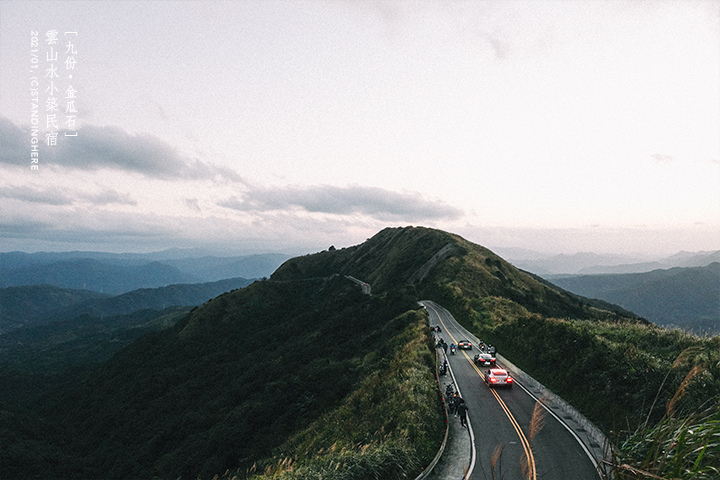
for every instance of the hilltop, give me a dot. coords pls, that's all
(443, 266)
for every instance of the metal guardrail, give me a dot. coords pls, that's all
(364, 285)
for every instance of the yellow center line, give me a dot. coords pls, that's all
(523, 439)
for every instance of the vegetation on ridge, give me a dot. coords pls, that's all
(388, 427)
(227, 385)
(622, 372)
(302, 375)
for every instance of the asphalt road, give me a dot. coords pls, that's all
(509, 443)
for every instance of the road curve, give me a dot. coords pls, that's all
(513, 438)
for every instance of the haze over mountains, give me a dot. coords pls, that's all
(586, 263)
(40, 304)
(687, 298)
(48, 287)
(121, 273)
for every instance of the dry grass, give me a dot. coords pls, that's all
(697, 369)
(537, 421)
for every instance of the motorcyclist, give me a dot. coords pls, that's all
(452, 348)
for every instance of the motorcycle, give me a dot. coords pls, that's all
(452, 350)
(449, 390)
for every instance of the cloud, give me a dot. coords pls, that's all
(371, 201)
(662, 158)
(13, 143)
(32, 194)
(111, 147)
(103, 230)
(109, 196)
(55, 196)
(192, 204)
(84, 226)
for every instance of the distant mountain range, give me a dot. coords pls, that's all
(42, 304)
(120, 273)
(23, 305)
(588, 263)
(687, 298)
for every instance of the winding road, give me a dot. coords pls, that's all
(514, 436)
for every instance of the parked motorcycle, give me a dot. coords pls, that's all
(449, 390)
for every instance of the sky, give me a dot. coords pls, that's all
(552, 125)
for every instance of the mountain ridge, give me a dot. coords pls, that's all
(221, 389)
(22, 303)
(683, 297)
(38, 304)
(121, 273)
(594, 263)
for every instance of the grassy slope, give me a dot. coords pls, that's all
(469, 280)
(388, 427)
(621, 371)
(386, 261)
(226, 386)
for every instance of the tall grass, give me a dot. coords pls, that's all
(685, 444)
(679, 447)
(389, 428)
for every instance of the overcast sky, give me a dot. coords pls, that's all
(558, 126)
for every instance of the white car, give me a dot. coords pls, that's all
(498, 377)
(484, 359)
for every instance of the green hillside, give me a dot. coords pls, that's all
(83, 340)
(646, 386)
(687, 298)
(439, 265)
(37, 304)
(302, 376)
(225, 387)
(630, 377)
